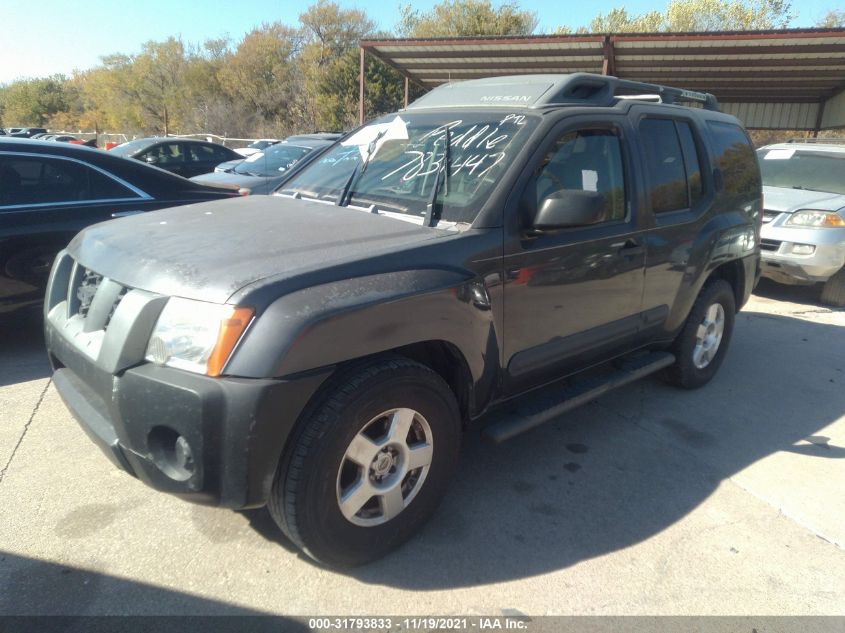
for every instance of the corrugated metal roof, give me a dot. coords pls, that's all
(788, 66)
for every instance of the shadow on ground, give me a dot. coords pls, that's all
(23, 356)
(622, 469)
(38, 588)
(807, 295)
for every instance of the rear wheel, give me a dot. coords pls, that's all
(833, 291)
(368, 467)
(703, 342)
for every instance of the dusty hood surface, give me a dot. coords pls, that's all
(791, 200)
(210, 250)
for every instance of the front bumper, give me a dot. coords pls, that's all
(211, 440)
(781, 264)
(236, 428)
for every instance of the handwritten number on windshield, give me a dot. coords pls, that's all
(478, 141)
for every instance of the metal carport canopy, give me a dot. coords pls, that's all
(787, 79)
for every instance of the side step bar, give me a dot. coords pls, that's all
(548, 403)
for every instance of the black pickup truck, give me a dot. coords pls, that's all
(321, 351)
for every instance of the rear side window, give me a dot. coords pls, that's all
(672, 164)
(735, 159)
(33, 180)
(164, 154)
(204, 153)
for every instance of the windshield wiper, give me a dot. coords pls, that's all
(431, 217)
(358, 172)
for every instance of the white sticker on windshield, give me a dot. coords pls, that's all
(254, 158)
(397, 129)
(779, 154)
(589, 180)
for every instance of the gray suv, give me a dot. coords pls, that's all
(321, 350)
(803, 234)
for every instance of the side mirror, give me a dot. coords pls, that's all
(152, 160)
(570, 207)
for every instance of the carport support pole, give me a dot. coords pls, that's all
(608, 65)
(819, 118)
(361, 89)
(406, 92)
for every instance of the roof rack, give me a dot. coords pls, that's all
(607, 90)
(540, 91)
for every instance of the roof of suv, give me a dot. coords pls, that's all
(543, 91)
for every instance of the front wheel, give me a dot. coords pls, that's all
(703, 342)
(833, 291)
(370, 463)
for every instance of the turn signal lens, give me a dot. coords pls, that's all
(231, 330)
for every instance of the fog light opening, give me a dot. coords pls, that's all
(171, 453)
(803, 249)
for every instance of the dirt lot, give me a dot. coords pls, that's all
(727, 500)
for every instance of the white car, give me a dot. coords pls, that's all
(256, 146)
(803, 234)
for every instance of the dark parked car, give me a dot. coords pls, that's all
(25, 132)
(50, 191)
(264, 171)
(323, 349)
(186, 157)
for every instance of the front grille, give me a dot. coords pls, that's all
(115, 303)
(770, 245)
(94, 297)
(86, 290)
(768, 216)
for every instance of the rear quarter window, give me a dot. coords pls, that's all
(736, 159)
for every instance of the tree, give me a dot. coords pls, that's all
(699, 15)
(456, 18)
(157, 74)
(259, 75)
(618, 21)
(327, 66)
(833, 19)
(34, 101)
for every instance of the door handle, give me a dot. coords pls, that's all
(630, 248)
(123, 214)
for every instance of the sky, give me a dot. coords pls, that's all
(45, 37)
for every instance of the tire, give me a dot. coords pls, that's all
(833, 291)
(316, 472)
(692, 369)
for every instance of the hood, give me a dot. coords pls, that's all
(256, 184)
(208, 251)
(230, 180)
(791, 200)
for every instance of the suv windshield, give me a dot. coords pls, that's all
(393, 164)
(794, 169)
(273, 161)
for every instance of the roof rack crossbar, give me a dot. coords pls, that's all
(654, 98)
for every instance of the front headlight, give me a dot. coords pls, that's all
(197, 336)
(810, 219)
